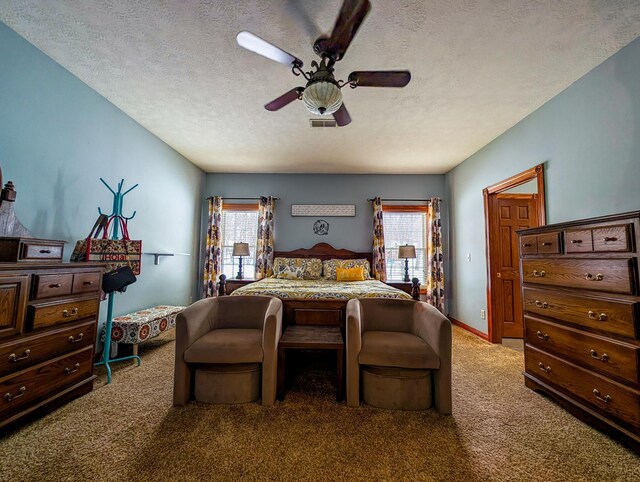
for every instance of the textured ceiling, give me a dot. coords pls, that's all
(479, 66)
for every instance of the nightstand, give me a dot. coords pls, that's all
(233, 284)
(401, 285)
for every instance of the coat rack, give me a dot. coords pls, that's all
(114, 218)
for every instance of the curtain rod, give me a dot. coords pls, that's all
(245, 198)
(398, 200)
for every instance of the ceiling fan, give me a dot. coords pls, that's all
(322, 93)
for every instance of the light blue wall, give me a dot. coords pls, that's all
(588, 137)
(58, 136)
(354, 233)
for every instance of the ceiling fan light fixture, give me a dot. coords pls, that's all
(322, 97)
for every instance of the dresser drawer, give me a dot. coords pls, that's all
(529, 244)
(43, 315)
(547, 243)
(614, 317)
(50, 285)
(612, 238)
(33, 385)
(611, 358)
(41, 250)
(578, 241)
(606, 396)
(86, 282)
(613, 275)
(32, 350)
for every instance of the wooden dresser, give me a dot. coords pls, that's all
(582, 319)
(48, 318)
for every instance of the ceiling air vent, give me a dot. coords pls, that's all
(323, 122)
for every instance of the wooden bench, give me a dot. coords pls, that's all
(142, 325)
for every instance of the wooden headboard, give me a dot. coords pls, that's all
(323, 251)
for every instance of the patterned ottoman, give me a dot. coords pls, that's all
(141, 325)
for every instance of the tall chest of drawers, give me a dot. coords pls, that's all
(580, 288)
(48, 319)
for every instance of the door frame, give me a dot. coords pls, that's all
(490, 194)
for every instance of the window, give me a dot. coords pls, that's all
(405, 225)
(239, 225)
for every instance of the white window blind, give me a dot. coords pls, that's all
(239, 227)
(405, 228)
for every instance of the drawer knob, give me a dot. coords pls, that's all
(9, 397)
(69, 371)
(603, 358)
(526, 245)
(610, 238)
(541, 304)
(546, 369)
(56, 285)
(539, 274)
(45, 251)
(590, 277)
(576, 241)
(15, 358)
(67, 313)
(600, 317)
(545, 243)
(76, 339)
(605, 399)
(88, 282)
(542, 336)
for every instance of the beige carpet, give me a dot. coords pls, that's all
(500, 430)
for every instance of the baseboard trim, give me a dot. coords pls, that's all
(470, 329)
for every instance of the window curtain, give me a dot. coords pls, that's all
(213, 254)
(435, 272)
(379, 261)
(264, 245)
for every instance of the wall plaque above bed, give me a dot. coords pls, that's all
(323, 210)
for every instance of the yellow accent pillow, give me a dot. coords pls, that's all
(350, 274)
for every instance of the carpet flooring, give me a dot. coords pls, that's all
(499, 430)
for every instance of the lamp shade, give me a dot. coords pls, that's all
(322, 98)
(240, 249)
(407, 252)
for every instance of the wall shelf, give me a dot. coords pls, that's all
(158, 256)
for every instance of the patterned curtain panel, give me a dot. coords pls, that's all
(435, 274)
(379, 260)
(213, 254)
(264, 245)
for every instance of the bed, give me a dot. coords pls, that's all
(319, 302)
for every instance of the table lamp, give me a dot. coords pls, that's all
(406, 252)
(240, 249)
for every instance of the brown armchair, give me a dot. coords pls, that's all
(226, 348)
(400, 352)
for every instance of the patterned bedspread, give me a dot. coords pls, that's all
(320, 289)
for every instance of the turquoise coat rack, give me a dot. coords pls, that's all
(115, 217)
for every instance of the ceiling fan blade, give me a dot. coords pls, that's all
(347, 24)
(285, 99)
(380, 78)
(342, 116)
(260, 46)
(298, 12)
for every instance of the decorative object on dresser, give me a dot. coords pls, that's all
(581, 308)
(240, 250)
(17, 243)
(406, 252)
(47, 335)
